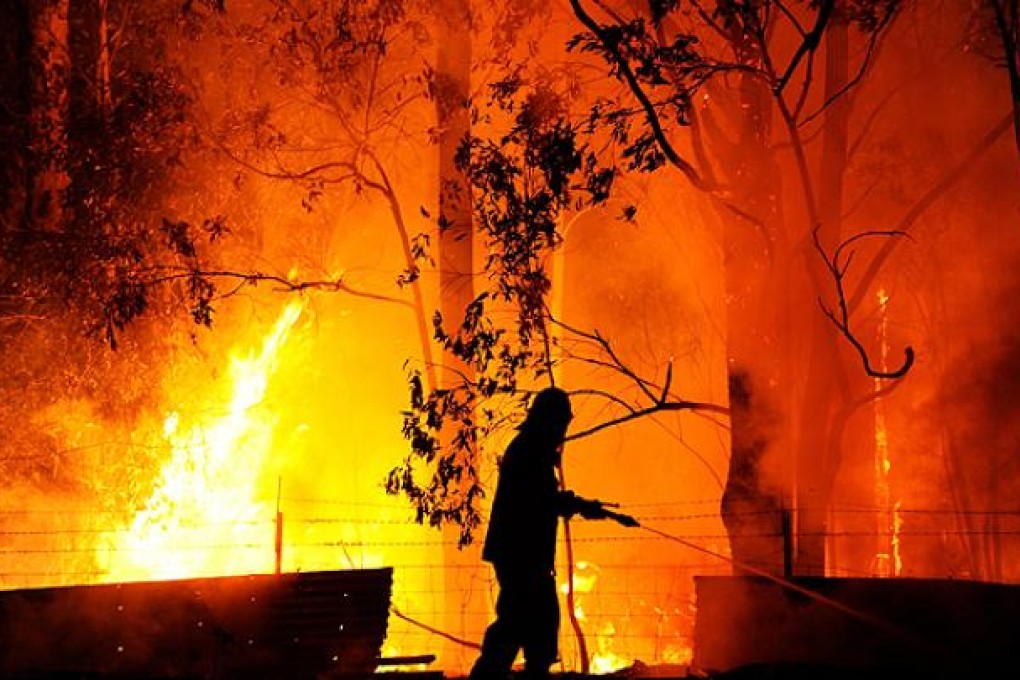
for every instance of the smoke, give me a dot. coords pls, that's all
(975, 413)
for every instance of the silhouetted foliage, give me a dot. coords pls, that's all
(524, 178)
(86, 241)
(662, 56)
(96, 261)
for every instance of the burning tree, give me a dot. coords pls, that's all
(108, 240)
(715, 75)
(759, 108)
(752, 103)
(98, 133)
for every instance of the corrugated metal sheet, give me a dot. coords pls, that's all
(314, 624)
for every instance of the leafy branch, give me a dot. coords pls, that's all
(524, 179)
(133, 284)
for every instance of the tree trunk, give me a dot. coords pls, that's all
(456, 286)
(753, 498)
(46, 179)
(15, 112)
(1007, 16)
(819, 449)
(88, 94)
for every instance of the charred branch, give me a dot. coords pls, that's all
(869, 55)
(837, 264)
(660, 397)
(283, 285)
(792, 18)
(808, 46)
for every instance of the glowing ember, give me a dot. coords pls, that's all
(605, 660)
(603, 657)
(205, 516)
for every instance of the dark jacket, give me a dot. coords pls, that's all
(527, 506)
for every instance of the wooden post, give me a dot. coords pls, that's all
(787, 523)
(279, 529)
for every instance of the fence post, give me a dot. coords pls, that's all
(786, 520)
(279, 529)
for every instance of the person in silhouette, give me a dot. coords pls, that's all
(521, 542)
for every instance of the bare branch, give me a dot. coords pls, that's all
(616, 362)
(865, 63)
(789, 15)
(707, 18)
(808, 45)
(649, 410)
(664, 401)
(313, 173)
(837, 268)
(669, 380)
(180, 273)
(608, 396)
(805, 87)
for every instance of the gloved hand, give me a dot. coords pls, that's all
(591, 509)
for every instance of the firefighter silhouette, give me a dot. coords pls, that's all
(521, 541)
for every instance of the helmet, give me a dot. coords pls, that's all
(550, 411)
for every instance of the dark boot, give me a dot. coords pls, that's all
(534, 671)
(485, 670)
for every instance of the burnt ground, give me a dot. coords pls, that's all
(638, 672)
(770, 672)
(791, 671)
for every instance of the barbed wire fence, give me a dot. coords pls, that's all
(636, 587)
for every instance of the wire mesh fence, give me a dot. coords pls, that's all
(632, 591)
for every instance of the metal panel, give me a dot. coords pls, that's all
(299, 625)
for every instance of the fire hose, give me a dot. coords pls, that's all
(602, 511)
(865, 617)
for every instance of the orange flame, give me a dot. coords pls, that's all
(204, 516)
(890, 520)
(604, 658)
